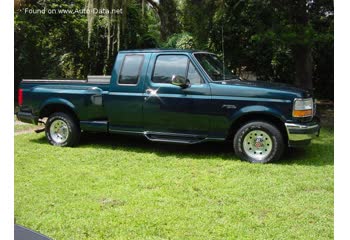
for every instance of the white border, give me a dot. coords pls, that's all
(342, 158)
(342, 117)
(6, 120)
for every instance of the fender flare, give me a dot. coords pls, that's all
(257, 109)
(57, 101)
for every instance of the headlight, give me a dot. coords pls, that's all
(303, 107)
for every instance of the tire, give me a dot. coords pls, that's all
(62, 130)
(259, 142)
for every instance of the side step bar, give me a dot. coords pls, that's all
(174, 137)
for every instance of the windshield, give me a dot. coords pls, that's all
(214, 67)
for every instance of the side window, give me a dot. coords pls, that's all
(131, 68)
(168, 65)
(193, 76)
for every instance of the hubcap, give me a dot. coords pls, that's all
(59, 131)
(257, 144)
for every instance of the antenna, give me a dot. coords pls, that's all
(222, 40)
(223, 50)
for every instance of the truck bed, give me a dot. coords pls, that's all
(87, 95)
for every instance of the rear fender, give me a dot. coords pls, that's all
(57, 101)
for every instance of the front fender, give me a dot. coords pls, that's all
(257, 109)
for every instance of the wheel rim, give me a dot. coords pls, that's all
(59, 131)
(257, 144)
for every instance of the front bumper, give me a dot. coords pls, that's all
(300, 134)
(27, 117)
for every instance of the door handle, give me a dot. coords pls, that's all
(151, 92)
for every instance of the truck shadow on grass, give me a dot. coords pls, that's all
(317, 154)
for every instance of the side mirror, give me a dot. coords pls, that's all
(180, 81)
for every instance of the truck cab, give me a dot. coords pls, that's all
(177, 96)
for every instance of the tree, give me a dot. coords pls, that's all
(278, 40)
(285, 41)
(167, 12)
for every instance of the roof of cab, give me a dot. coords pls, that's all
(153, 50)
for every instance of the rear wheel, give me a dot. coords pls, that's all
(259, 142)
(62, 130)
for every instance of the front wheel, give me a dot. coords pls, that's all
(258, 142)
(62, 130)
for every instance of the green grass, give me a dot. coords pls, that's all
(21, 127)
(24, 127)
(117, 187)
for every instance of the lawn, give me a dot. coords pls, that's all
(118, 187)
(21, 127)
(24, 127)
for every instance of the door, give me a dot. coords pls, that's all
(172, 109)
(124, 101)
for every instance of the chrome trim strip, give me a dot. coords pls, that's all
(300, 126)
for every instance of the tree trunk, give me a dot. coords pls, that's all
(163, 26)
(166, 10)
(302, 49)
(303, 66)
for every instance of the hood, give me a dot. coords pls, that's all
(270, 85)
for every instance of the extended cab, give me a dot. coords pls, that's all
(178, 96)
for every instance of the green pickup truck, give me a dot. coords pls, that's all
(176, 96)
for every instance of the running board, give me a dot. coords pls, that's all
(174, 137)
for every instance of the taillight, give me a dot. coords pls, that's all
(20, 97)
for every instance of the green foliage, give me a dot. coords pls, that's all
(130, 188)
(47, 44)
(180, 41)
(56, 45)
(272, 39)
(198, 20)
(262, 36)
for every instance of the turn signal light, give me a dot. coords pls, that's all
(302, 113)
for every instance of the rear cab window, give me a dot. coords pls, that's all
(130, 70)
